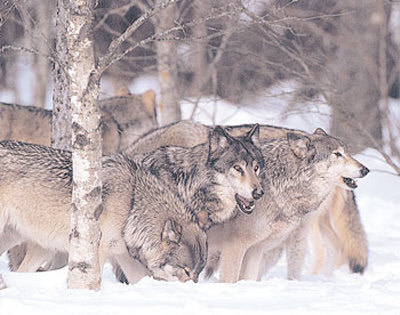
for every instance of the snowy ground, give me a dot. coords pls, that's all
(376, 292)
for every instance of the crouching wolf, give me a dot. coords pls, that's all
(145, 229)
(335, 226)
(300, 172)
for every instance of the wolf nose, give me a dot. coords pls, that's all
(364, 171)
(257, 193)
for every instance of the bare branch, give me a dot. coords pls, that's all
(109, 57)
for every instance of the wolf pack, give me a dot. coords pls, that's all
(184, 199)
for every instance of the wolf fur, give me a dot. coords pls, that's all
(213, 178)
(145, 228)
(300, 172)
(124, 119)
(344, 234)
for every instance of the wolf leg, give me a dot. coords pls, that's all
(9, 238)
(251, 263)
(35, 257)
(231, 260)
(350, 231)
(295, 251)
(317, 243)
(269, 259)
(132, 268)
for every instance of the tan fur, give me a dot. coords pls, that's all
(281, 215)
(124, 119)
(35, 202)
(337, 228)
(25, 123)
(350, 238)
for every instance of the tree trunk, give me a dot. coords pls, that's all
(61, 119)
(41, 42)
(199, 56)
(83, 265)
(355, 112)
(167, 69)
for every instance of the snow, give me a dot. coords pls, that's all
(375, 292)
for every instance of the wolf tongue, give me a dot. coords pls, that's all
(244, 200)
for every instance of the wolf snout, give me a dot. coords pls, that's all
(257, 193)
(364, 171)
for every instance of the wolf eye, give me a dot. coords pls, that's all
(239, 169)
(256, 168)
(338, 154)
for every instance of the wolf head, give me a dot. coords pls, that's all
(239, 161)
(330, 155)
(181, 254)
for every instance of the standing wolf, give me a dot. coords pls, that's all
(300, 172)
(141, 219)
(124, 119)
(337, 221)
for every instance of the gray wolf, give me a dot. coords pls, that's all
(214, 178)
(300, 172)
(343, 233)
(145, 229)
(124, 119)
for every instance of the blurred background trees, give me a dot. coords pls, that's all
(341, 53)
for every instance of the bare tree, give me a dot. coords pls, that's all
(41, 64)
(61, 119)
(167, 67)
(86, 206)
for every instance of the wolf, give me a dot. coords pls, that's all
(346, 235)
(337, 228)
(145, 229)
(214, 178)
(300, 172)
(124, 119)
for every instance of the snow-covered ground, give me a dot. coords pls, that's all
(376, 292)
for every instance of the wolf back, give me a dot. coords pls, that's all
(124, 119)
(35, 193)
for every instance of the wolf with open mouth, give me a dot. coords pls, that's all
(216, 177)
(300, 171)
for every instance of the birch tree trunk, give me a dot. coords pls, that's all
(86, 207)
(167, 69)
(61, 119)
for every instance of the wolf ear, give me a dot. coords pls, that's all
(320, 131)
(172, 231)
(300, 145)
(218, 141)
(254, 135)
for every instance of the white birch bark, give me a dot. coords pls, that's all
(86, 207)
